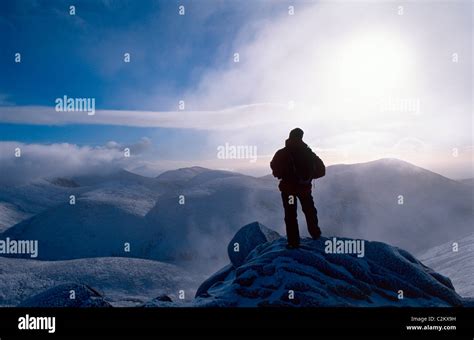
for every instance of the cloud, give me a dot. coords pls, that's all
(137, 148)
(39, 161)
(231, 118)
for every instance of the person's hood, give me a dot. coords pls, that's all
(295, 143)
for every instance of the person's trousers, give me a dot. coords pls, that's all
(291, 221)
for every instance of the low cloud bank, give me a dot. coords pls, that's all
(22, 163)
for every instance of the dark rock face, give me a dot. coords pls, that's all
(246, 239)
(164, 298)
(64, 182)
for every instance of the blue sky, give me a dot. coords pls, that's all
(339, 63)
(82, 55)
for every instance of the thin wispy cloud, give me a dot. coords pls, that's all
(244, 116)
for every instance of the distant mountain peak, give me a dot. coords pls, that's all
(387, 161)
(182, 173)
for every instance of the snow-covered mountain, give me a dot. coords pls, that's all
(362, 200)
(22, 201)
(122, 281)
(454, 259)
(358, 200)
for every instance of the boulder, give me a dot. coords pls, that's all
(319, 275)
(247, 239)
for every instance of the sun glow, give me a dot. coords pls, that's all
(371, 65)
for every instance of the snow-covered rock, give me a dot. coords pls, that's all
(246, 239)
(217, 277)
(67, 295)
(272, 275)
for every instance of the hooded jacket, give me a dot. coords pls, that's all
(295, 154)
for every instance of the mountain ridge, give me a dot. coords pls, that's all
(353, 201)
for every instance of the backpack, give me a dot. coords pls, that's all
(319, 169)
(308, 167)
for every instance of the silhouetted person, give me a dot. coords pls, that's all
(297, 165)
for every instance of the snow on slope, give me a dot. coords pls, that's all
(129, 191)
(318, 279)
(23, 201)
(86, 229)
(182, 174)
(109, 212)
(123, 281)
(120, 176)
(458, 266)
(10, 215)
(135, 199)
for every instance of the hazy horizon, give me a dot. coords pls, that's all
(257, 173)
